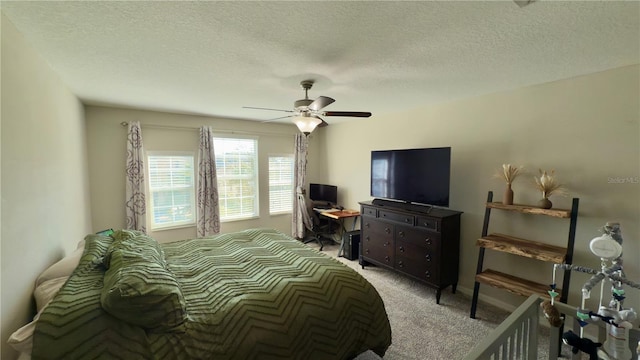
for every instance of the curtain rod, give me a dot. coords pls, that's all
(191, 128)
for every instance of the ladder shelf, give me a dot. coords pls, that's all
(513, 284)
(525, 248)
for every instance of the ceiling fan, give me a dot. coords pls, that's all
(307, 113)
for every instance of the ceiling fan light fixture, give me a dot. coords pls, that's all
(306, 124)
(305, 111)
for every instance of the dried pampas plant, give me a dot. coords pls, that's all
(548, 184)
(509, 173)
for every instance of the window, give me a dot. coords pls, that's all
(237, 169)
(280, 184)
(171, 188)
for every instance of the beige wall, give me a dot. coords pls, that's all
(586, 128)
(45, 197)
(171, 132)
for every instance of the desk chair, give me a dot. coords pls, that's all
(312, 222)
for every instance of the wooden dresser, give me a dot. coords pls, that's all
(414, 241)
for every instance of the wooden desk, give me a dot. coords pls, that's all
(340, 217)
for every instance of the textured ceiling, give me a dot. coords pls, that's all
(213, 58)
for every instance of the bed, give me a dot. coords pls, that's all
(254, 294)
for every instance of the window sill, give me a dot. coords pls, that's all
(281, 213)
(239, 219)
(174, 227)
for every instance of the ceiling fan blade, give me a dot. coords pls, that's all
(320, 102)
(278, 118)
(347, 113)
(261, 108)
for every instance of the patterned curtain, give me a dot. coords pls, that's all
(135, 203)
(208, 206)
(299, 180)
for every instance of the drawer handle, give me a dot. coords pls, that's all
(387, 230)
(386, 243)
(366, 251)
(386, 258)
(367, 238)
(428, 258)
(400, 263)
(426, 224)
(428, 241)
(366, 225)
(407, 220)
(402, 249)
(401, 233)
(427, 274)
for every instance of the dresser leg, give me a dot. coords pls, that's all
(453, 288)
(438, 293)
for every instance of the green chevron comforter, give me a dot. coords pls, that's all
(254, 294)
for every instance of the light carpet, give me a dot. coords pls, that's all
(422, 329)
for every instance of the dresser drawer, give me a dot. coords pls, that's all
(394, 216)
(377, 249)
(428, 223)
(418, 237)
(368, 211)
(382, 252)
(417, 261)
(376, 229)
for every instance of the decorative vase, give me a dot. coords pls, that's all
(508, 195)
(545, 203)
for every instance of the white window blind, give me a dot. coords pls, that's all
(280, 184)
(171, 186)
(237, 170)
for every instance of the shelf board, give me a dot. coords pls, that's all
(512, 283)
(522, 247)
(528, 209)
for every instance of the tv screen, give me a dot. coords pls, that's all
(323, 193)
(412, 175)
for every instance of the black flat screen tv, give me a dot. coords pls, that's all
(412, 175)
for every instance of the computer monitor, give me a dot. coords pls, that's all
(322, 193)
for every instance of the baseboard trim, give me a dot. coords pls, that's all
(501, 304)
(487, 299)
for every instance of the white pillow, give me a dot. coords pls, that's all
(47, 286)
(62, 268)
(22, 339)
(47, 290)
